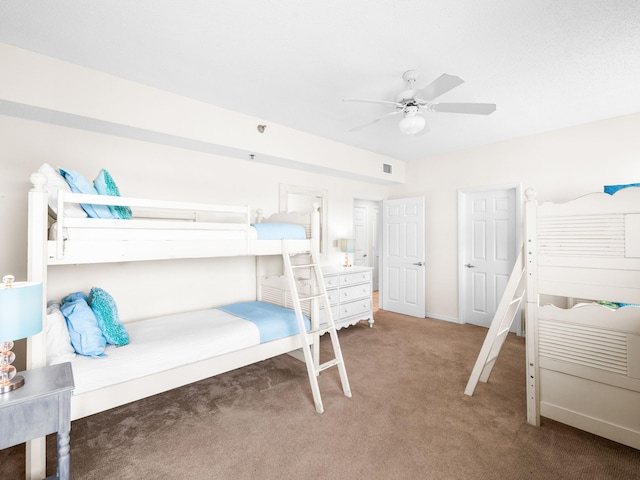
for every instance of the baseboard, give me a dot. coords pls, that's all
(436, 316)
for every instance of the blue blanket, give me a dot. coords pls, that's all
(273, 322)
(279, 231)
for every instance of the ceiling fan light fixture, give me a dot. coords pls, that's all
(412, 124)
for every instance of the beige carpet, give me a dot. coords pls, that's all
(408, 419)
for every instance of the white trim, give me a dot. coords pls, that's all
(445, 318)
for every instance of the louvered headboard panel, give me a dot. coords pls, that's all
(582, 236)
(604, 340)
(589, 247)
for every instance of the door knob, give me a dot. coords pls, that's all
(468, 265)
(420, 264)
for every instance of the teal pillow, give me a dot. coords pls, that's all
(106, 312)
(79, 184)
(105, 185)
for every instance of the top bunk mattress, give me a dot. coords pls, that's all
(125, 230)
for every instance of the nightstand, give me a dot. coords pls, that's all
(349, 290)
(42, 406)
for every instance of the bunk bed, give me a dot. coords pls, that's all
(582, 318)
(160, 230)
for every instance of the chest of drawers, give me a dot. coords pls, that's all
(349, 291)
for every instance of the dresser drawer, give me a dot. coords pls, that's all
(334, 296)
(352, 278)
(354, 292)
(355, 308)
(335, 312)
(332, 281)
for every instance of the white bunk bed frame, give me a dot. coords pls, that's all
(583, 363)
(44, 253)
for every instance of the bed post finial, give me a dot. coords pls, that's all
(530, 193)
(316, 206)
(38, 180)
(259, 215)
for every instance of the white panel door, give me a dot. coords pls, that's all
(361, 234)
(402, 277)
(489, 231)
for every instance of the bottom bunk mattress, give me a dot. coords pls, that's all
(163, 343)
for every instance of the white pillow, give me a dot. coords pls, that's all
(55, 182)
(59, 347)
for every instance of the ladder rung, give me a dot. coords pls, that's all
(329, 364)
(307, 265)
(310, 297)
(516, 300)
(503, 331)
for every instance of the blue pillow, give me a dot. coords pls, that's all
(105, 185)
(84, 333)
(611, 189)
(106, 311)
(79, 184)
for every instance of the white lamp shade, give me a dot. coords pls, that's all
(412, 124)
(20, 310)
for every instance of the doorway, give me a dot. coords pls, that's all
(489, 239)
(366, 221)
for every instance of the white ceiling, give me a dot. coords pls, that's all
(547, 64)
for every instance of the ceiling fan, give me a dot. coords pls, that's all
(411, 102)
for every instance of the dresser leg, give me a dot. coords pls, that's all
(63, 456)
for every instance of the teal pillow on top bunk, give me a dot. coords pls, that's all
(79, 184)
(105, 185)
(84, 333)
(106, 311)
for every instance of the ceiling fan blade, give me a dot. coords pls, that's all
(375, 120)
(475, 108)
(439, 86)
(380, 102)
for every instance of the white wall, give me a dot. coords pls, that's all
(560, 165)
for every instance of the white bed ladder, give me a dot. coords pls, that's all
(311, 265)
(500, 325)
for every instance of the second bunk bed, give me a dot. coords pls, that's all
(582, 316)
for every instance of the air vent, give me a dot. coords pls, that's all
(386, 168)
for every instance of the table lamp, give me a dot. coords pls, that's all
(20, 317)
(347, 245)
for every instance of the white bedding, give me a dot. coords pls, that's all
(108, 234)
(163, 343)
